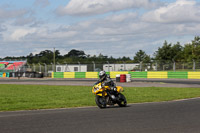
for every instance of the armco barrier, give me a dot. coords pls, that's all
(7, 74)
(69, 74)
(52, 75)
(28, 75)
(58, 75)
(80, 74)
(177, 75)
(157, 75)
(113, 74)
(138, 74)
(4, 74)
(91, 75)
(193, 75)
(162, 75)
(25, 74)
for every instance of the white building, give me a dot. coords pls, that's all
(71, 68)
(120, 67)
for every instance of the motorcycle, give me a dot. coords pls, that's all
(105, 96)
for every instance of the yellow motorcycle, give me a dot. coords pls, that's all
(105, 96)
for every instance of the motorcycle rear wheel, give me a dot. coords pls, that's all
(100, 101)
(122, 100)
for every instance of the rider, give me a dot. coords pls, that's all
(106, 81)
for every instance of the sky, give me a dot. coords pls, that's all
(114, 28)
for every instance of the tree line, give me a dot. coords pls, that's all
(167, 53)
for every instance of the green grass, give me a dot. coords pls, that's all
(29, 97)
(158, 94)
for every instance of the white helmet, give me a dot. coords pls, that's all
(102, 75)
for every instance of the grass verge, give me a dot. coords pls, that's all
(30, 97)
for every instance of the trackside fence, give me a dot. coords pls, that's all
(160, 75)
(155, 69)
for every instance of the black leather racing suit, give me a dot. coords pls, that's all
(107, 81)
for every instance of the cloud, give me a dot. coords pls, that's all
(125, 17)
(116, 34)
(181, 11)
(21, 21)
(125, 33)
(19, 17)
(42, 3)
(12, 13)
(18, 34)
(2, 28)
(93, 7)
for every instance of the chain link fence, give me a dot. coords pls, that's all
(156, 66)
(46, 70)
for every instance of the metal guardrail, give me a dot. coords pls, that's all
(169, 66)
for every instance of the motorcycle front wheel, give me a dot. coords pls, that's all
(100, 101)
(122, 100)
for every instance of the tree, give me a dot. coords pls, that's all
(75, 53)
(45, 56)
(168, 53)
(192, 50)
(141, 56)
(177, 52)
(164, 53)
(30, 58)
(101, 56)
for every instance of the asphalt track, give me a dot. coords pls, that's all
(164, 117)
(90, 82)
